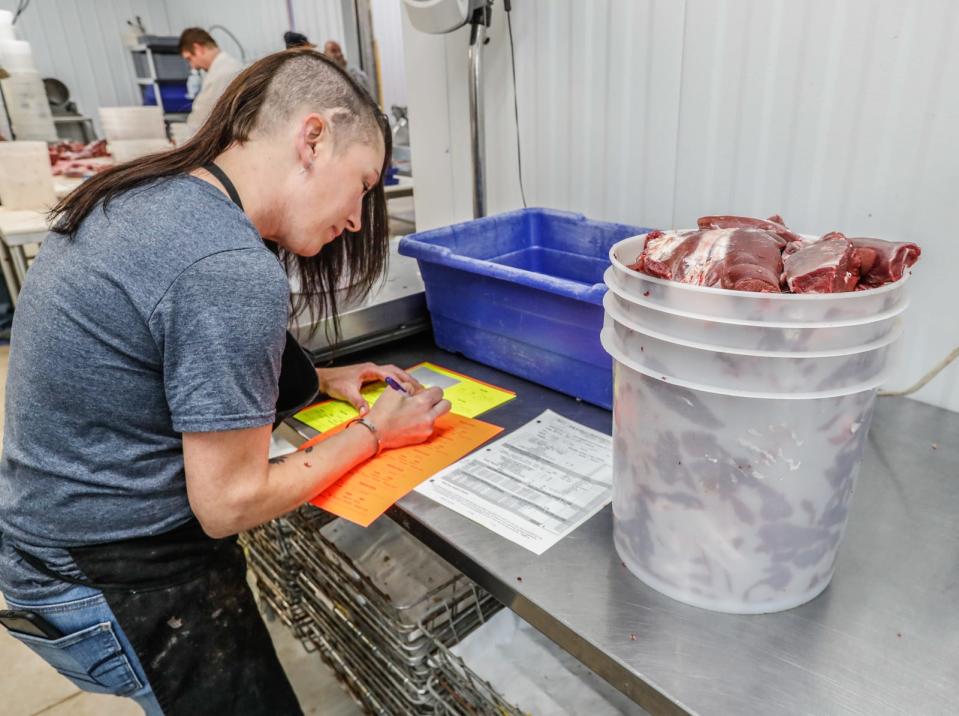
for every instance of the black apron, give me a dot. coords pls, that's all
(183, 601)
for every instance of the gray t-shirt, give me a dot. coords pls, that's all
(165, 314)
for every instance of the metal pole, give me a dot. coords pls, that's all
(3, 100)
(289, 16)
(367, 58)
(477, 133)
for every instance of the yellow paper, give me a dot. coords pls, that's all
(468, 396)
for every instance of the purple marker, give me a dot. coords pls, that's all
(395, 386)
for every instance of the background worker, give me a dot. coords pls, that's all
(199, 49)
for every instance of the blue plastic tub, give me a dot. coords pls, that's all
(523, 292)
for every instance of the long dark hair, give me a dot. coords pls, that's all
(363, 254)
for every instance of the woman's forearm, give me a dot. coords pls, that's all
(232, 488)
(256, 492)
(304, 474)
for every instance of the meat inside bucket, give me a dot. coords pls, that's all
(734, 467)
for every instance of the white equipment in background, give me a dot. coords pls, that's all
(26, 192)
(26, 181)
(442, 16)
(132, 123)
(124, 150)
(23, 93)
(6, 26)
(180, 133)
(133, 132)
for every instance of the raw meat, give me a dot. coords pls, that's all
(883, 261)
(829, 265)
(741, 253)
(75, 159)
(737, 259)
(774, 225)
(77, 150)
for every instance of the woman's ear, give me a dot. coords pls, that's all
(312, 139)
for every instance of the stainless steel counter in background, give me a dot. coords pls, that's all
(882, 639)
(394, 309)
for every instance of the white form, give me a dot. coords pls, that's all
(533, 486)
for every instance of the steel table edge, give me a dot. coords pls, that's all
(642, 692)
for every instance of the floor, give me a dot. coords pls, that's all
(28, 686)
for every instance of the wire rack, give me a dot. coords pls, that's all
(379, 608)
(457, 691)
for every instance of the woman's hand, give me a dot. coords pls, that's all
(345, 383)
(402, 419)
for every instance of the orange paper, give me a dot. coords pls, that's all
(367, 491)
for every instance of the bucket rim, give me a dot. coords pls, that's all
(622, 293)
(618, 355)
(631, 325)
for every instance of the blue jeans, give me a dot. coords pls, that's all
(94, 653)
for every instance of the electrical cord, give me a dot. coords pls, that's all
(512, 61)
(936, 370)
(21, 6)
(232, 37)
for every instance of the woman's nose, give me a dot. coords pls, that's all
(354, 222)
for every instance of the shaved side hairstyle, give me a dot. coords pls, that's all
(261, 100)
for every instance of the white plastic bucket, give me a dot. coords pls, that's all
(746, 370)
(744, 305)
(16, 55)
(754, 335)
(732, 502)
(125, 150)
(132, 123)
(6, 26)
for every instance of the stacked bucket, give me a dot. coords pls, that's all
(739, 423)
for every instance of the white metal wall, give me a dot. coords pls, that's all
(388, 31)
(838, 114)
(79, 43)
(258, 24)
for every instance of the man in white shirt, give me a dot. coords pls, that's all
(199, 49)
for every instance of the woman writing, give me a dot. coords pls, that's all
(148, 363)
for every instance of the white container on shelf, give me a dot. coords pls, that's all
(773, 308)
(16, 55)
(26, 180)
(735, 503)
(754, 335)
(124, 150)
(180, 133)
(6, 27)
(28, 106)
(132, 123)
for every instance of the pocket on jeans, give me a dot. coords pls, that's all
(91, 658)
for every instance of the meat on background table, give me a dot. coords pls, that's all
(882, 639)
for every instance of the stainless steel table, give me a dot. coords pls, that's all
(395, 308)
(882, 639)
(403, 187)
(18, 228)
